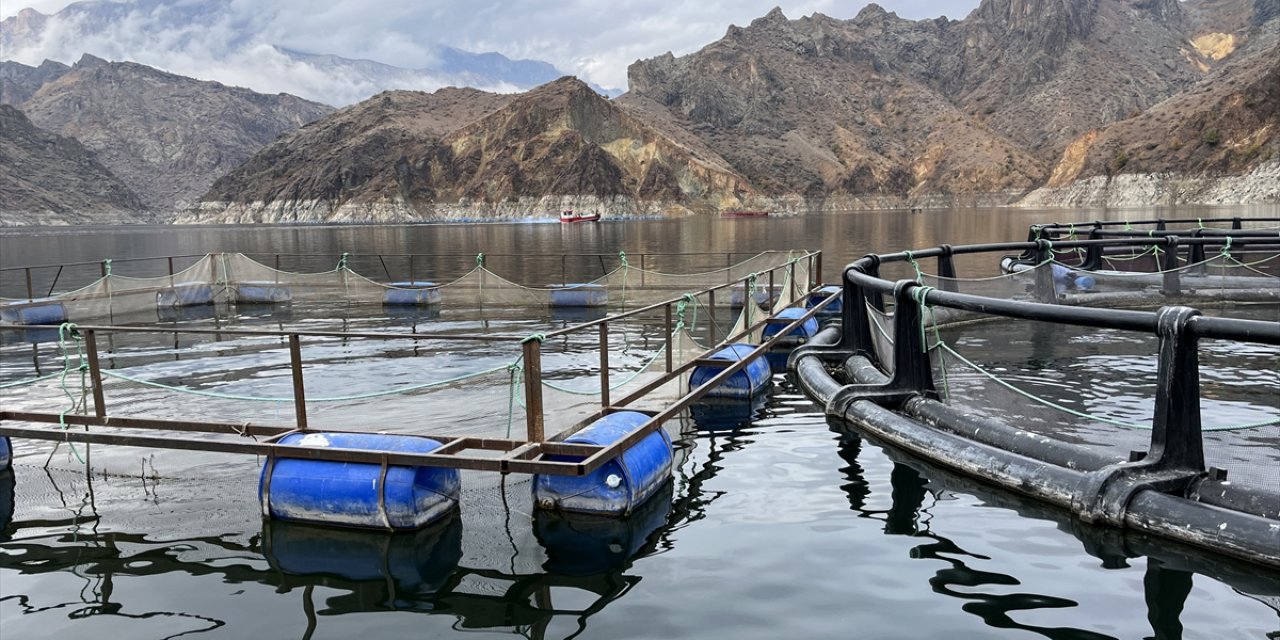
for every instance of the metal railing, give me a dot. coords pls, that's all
(520, 456)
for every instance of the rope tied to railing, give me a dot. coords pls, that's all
(106, 267)
(342, 262)
(1226, 248)
(916, 265)
(919, 294)
(67, 331)
(622, 258)
(480, 260)
(536, 337)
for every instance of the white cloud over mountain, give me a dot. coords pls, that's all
(238, 41)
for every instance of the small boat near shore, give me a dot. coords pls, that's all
(569, 215)
(745, 214)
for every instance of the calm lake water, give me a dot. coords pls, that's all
(780, 527)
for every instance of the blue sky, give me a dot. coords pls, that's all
(594, 39)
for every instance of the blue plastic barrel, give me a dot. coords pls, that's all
(38, 311)
(744, 384)
(579, 295)
(789, 315)
(185, 295)
(346, 493)
(620, 485)
(586, 545)
(413, 292)
(6, 453)
(415, 563)
(263, 293)
(832, 310)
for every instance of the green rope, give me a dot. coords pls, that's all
(539, 337)
(919, 294)
(515, 368)
(480, 259)
(106, 267)
(1128, 226)
(342, 262)
(916, 265)
(68, 330)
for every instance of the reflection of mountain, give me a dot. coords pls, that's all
(1169, 568)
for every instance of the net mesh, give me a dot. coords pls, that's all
(430, 386)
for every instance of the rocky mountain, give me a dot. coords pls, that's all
(240, 43)
(168, 135)
(1226, 125)
(18, 82)
(51, 179)
(460, 152)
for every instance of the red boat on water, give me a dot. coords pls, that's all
(568, 215)
(745, 214)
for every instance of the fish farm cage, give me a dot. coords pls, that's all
(1126, 372)
(367, 424)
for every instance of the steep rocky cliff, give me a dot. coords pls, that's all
(461, 152)
(170, 136)
(18, 82)
(1227, 125)
(50, 179)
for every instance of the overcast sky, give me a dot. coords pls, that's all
(594, 39)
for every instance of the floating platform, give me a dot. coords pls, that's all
(746, 383)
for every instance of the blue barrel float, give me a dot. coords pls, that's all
(585, 545)
(35, 311)
(619, 486)
(263, 292)
(185, 295)
(412, 292)
(832, 310)
(350, 494)
(412, 564)
(777, 356)
(748, 382)
(579, 295)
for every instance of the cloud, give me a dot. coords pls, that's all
(229, 40)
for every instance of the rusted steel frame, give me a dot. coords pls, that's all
(613, 450)
(365, 456)
(95, 373)
(246, 429)
(534, 426)
(604, 364)
(304, 334)
(31, 294)
(299, 390)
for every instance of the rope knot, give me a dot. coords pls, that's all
(537, 337)
(106, 267)
(480, 259)
(342, 261)
(622, 257)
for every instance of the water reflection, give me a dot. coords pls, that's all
(1169, 568)
(588, 562)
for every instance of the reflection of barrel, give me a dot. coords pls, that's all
(418, 561)
(724, 414)
(413, 292)
(578, 314)
(747, 382)
(619, 486)
(581, 544)
(412, 313)
(358, 494)
(186, 313)
(33, 335)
